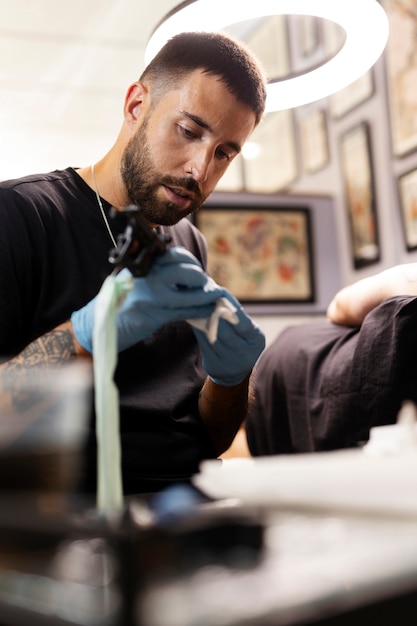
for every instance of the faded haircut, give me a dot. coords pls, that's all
(213, 53)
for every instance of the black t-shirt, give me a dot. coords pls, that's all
(54, 249)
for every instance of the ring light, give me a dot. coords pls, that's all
(364, 21)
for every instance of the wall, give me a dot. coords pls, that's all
(375, 111)
(386, 168)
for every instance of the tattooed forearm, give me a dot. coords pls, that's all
(49, 351)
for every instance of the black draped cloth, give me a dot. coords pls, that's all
(321, 386)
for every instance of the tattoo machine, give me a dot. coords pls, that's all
(138, 245)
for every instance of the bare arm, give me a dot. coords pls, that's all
(55, 347)
(351, 304)
(223, 410)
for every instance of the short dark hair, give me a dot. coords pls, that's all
(214, 53)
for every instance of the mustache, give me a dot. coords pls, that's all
(185, 183)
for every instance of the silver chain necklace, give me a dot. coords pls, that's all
(100, 204)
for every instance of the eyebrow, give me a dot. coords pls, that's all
(203, 124)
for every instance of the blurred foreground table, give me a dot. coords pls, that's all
(305, 555)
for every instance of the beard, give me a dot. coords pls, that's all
(142, 183)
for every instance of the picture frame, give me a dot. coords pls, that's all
(263, 256)
(401, 69)
(407, 188)
(275, 166)
(358, 180)
(314, 140)
(270, 42)
(308, 34)
(347, 99)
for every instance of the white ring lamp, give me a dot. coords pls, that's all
(364, 22)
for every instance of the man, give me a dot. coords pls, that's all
(185, 120)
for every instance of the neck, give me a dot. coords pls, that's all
(103, 176)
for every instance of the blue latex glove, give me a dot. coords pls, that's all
(176, 288)
(234, 353)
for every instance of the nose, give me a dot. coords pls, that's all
(199, 165)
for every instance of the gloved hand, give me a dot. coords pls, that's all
(234, 353)
(176, 288)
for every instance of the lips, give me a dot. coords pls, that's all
(179, 196)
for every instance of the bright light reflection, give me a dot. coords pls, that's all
(251, 150)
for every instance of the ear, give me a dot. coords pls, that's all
(136, 104)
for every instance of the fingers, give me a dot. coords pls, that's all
(175, 259)
(176, 255)
(173, 296)
(180, 276)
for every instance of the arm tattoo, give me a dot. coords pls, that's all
(51, 350)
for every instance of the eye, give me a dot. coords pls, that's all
(188, 132)
(223, 154)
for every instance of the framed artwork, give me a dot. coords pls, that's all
(270, 42)
(333, 37)
(260, 255)
(407, 187)
(314, 140)
(308, 34)
(275, 165)
(357, 172)
(357, 92)
(401, 67)
(352, 96)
